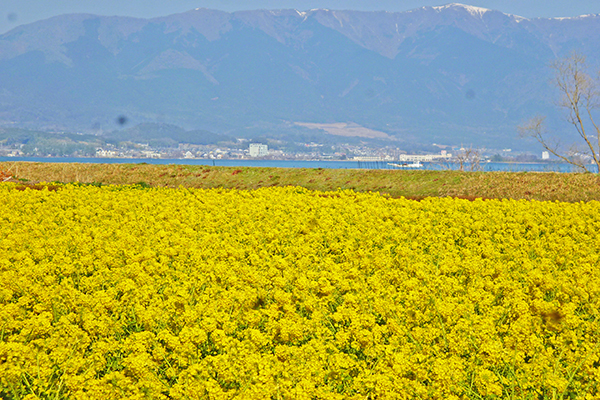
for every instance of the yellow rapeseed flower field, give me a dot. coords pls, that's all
(124, 292)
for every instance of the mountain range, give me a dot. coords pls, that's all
(450, 74)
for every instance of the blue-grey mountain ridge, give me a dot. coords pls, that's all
(450, 74)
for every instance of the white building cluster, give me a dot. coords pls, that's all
(258, 150)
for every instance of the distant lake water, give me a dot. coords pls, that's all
(491, 166)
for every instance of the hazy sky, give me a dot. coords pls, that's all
(17, 12)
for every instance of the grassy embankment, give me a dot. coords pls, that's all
(411, 184)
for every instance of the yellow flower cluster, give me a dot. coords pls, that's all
(123, 292)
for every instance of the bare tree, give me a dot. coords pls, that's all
(468, 159)
(580, 96)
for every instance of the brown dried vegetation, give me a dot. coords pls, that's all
(545, 186)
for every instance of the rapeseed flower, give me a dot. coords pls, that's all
(124, 292)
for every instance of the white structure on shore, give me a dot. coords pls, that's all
(405, 158)
(424, 157)
(545, 155)
(106, 153)
(258, 150)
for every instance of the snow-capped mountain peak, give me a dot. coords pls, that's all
(474, 11)
(578, 17)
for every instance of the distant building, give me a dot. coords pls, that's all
(416, 157)
(150, 154)
(258, 150)
(545, 155)
(425, 157)
(106, 153)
